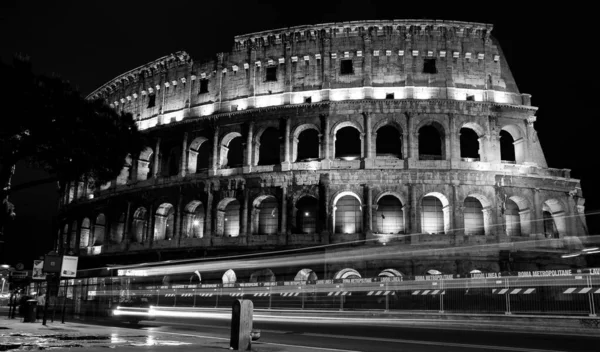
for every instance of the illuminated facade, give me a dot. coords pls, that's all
(409, 133)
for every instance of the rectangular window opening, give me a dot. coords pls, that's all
(346, 67)
(389, 95)
(151, 100)
(429, 66)
(470, 98)
(308, 100)
(271, 74)
(203, 86)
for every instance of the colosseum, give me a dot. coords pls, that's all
(405, 133)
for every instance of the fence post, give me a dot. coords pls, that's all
(507, 297)
(441, 288)
(590, 295)
(387, 298)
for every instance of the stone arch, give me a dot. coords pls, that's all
(193, 220)
(140, 225)
(171, 161)
(471, 145)
(554, 218)
(389, 213)
(388, 141)
(224, 149)
(347, 212)
(517, 222)
(347, 273)
(431, 140)
(519, 145)
(73, 235)
(164, 222)
(84, 236)
(306, 214)
(435, 217)
(390, 273)
(305, 275)
(229, 277)
(343, 124)
(296, 151)
(265, 215)
(194, 164)
(263, 275)
(228, 217)
(267, 148)
(99, 230)
(477, 214)
(117, 228)
(144, 164)
(475, 127)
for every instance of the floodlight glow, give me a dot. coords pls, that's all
(590, 249)
(571, 255)
(196, 222)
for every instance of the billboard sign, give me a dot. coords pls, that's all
(38, 270)
(52, 263)
(69, 266)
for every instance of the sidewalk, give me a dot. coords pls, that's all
(16, 335)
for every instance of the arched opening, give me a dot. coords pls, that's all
(348, 214)
(305, 275)
(473, 217)
(140, 224)
(231, 220)
(198, 155)
(390, 273)
(164, 222)
(194, 220)
(195, 278)
(229, 277)
(554, 220)
(390, 217)
(389, 142)
(99, 228)
(269, 147)
(469, 144)
(307, 214)
(144, 167)
(203, 157)
(170, 164)
(431, 142)
(507, 147)
(117, 228)
(347, 274)
(308, 145)
(234, 152)
(435, 214)
(347, 143)
(84, 237)
(268, 215)
(264, 275)
(73, 236)
(512, 218)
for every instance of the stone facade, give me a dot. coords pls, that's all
(410, 134)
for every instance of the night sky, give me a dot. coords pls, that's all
(550, 51)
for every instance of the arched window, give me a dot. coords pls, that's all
(554, 220)
(235, 153)
(194, 220)
(473, 215)
(431, 143)
(307, 214)
(268, 216)
(145, 164)
(347, 143)
(140, 224)
(469, 144)
(348, 215)
(305, 275)
(232, 219)
(347, 273)
(117, 228)
(512, 218)
(390, 217)
(269, 147)
(550, 230)
(308, 145)
(73, 236)
(84, 237)
(170, 164)
(507, 148)
(164, 222)
(389, 142)
(432, 215)
(99, 228)
(202, 159)
(229, 277)
(264, 275)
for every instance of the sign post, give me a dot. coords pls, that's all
(67, 269)
(51, 267)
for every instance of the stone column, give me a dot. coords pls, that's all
(284, 212)
(538, 217)
(133, 170)
(457, 209)
(177, 222)
(215, 162)
(244, 219)
(368, 162)
(325, 211)
(156, 168)
(208, 209)
(183, 167)
(454, 152)
(368, 211)
(326, 149)
(414, 219)
(248, 164)
(286, 165)
(150, 228)
(126, 226)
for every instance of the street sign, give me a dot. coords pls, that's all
(18, 276)
(38, 267)
(69, 266)
(52, 263)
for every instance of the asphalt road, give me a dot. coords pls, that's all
(380, 336)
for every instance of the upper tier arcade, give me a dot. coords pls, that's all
(394, 59)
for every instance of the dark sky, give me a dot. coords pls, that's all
(551, 52)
